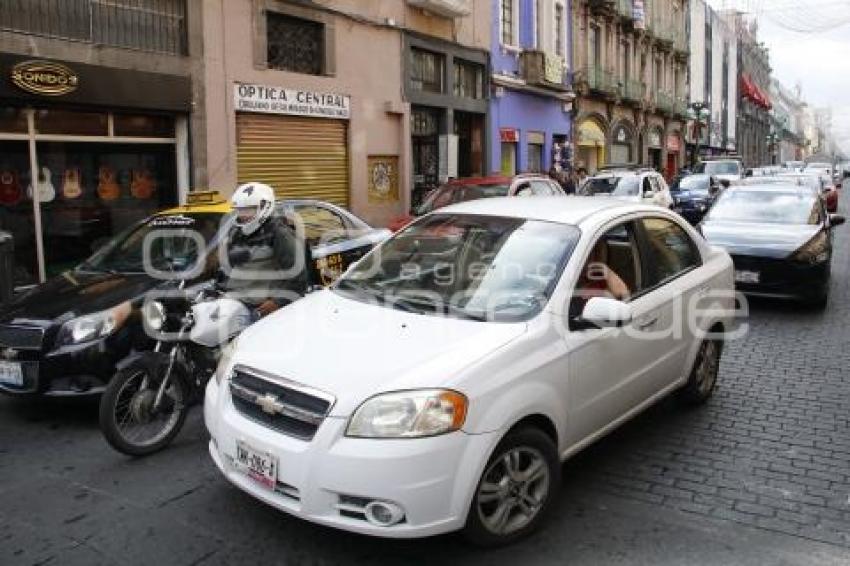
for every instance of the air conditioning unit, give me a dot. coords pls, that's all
(446, 8)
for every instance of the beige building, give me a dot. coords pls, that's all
(630, 63)
(320, 99)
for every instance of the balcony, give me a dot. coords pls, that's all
(680, 107)
(543, 69)
(633, 91)
(446, 8)
(664, 103)
(146, 25)
(625, 10)
(601, 81)
(607, 7)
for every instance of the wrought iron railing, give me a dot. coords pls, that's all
(147, 25)
(664, 102)
(633, 90)
(601, 80)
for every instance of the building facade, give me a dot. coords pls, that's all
(630, 72)
(713, 81)
(754, 103)
(358, 103)
(530, 105)
(97, 107)
(788, 139)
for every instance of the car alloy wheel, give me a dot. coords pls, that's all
(513, 491)
(708, 367)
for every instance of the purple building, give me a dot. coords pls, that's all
(531, 99)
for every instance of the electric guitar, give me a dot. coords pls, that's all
(71, 187)
(10, 191)
(107, 186)
(142, 185)
(44, 189)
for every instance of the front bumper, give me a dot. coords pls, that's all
(783, 278)
(431, 479)
(69, 371)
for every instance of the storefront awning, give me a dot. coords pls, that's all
(590, 134)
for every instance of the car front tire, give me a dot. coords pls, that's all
(516, 490)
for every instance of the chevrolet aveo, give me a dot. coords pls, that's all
(438, 385)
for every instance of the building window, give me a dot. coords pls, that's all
(595, 48)
(427, 70)
(468, 79)
(535, 152)
(559, 29)
(295, 44)
(508, 22)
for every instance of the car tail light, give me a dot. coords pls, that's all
(814, 251)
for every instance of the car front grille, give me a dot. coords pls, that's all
(278, 404)
(21, 337)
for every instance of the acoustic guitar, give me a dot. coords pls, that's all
(142, 184)
(71, 187)
(10, 190)
(44, 189)
(107, 186)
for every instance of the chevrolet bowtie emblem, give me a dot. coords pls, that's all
(9, 353)
(269, 404)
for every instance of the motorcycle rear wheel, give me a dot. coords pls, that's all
(127, 418)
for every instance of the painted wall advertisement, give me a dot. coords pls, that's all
(277, 100)
(639, 14)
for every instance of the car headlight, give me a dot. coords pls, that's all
(91, 326)
(153, 315)
(409, 414)
(225, 361)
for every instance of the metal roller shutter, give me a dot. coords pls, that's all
(300, 157)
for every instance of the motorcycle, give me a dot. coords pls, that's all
(146, 402)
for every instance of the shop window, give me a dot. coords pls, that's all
(143, 126)
(508, 165)
(536, 141)
(468, 79)
(13, 120)
(71, 123)
(427, 70)
(295, 44)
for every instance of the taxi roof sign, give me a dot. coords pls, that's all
(204, 197)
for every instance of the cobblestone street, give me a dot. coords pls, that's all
(760, 475)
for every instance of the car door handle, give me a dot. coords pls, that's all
(647, 323)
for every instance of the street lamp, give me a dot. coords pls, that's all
(699, 112)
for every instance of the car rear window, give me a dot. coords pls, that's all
(614, 186)
(766, 207)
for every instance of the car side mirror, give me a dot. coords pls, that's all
(725, 183)
(605, 312)
(748, 173)
(836, 220)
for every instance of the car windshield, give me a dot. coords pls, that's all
(451, 194)
(766, 207)
(719, 168)
(694, 184)
(465, 266)
(173, 242)
(628, 185)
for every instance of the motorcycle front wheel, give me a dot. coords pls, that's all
(128, 417)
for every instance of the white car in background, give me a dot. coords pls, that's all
(628, 183)
(440, 383)
(731, 170)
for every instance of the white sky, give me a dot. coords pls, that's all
(819, 60)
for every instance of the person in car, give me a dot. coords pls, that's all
(598, 279)
(270, 264)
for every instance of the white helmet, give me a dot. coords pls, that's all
(254, 204)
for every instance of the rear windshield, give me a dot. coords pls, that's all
(766, 207)
(694, 184)
(719, 168)
(451, 194)
(614, 186)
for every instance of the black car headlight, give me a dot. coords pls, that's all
(814, 251)
(92, 326)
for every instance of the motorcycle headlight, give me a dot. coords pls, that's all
(409, 414)
(814, 251)
(91, 326)
(153, 315)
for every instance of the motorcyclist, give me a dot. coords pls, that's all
(269, 263)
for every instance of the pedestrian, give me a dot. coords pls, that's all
(581, 175)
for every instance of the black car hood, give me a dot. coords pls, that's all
(764, 240)
(73, 294)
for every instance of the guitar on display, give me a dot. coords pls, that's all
(143, 184)
(10, 189)
(44, 189)
(71, 187)
(107, 186)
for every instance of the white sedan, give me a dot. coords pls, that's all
(440, 383)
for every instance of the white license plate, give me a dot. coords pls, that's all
(257, 465)
(11, 373)
(742, 276)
